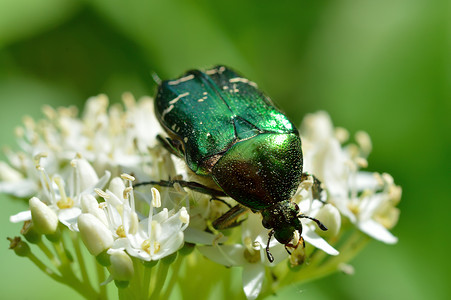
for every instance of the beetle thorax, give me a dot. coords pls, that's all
(261, 171)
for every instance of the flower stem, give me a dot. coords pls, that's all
(353, 245)
(48, 253)
(101, 278)
(44, 268)
(80, 258)
(141, 279)
(67, 278)
(317, 269)
(174, 277)
(161, 278)
(146, 279)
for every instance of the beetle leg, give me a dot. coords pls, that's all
(213, 198)
(195, 186)
(320, 225)
(173, 146)
(229, 219)
(268, 254)
(317, 190)
(301, 240)
(286, 248)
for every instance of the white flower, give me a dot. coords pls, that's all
(330, 217)
(360, 196)
(63, 192)
(109, 138)
(157, 236)
(143, 129)
(95, 235)
(121, 265)
(90, 205)
(44, 218)
(250, 255)
(311, 207)
(151, 238)
(20, 178)
(148, 224)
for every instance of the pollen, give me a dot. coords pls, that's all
(354, 208)
(146, 246)
(120, 231)
(156, 247)
(127, 177)
(250, 254)
(67, 203)
(101, 193)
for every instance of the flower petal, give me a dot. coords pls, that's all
(253, 275)
(377, 231)
(170, 246)
(69, 217)
(227, 255)
(197, 236)
(20, 217)
(21, 189)
(314, 239)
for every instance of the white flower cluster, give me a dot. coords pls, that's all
(367, 199)
(75, 172)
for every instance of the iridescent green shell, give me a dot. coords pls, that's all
(228, 129)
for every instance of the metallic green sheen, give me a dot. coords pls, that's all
(209, 112)
(261, 171)
(227, 129)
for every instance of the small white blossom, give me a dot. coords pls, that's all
(90, 205)
(250, 255)
(330, 217)
(63, 192)
(95, 235)
(62, 157)
(157, 237)
(150, 238)
(358, 195)
(44, 218)
(121, 265)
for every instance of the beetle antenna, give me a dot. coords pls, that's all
(320, 225)
(270, 257)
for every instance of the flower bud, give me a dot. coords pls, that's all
(95, 235)
(90, 205)
(20, 247)
(30, 233)
(86, 174)
(44, 218)
(9, 174)
(117, 187)
(121, 267)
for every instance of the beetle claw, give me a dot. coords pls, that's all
(286, 248)
(268, 254)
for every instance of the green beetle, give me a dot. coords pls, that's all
(227, 129)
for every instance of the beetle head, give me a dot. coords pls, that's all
(283, 218)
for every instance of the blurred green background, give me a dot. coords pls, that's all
(380, 66)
